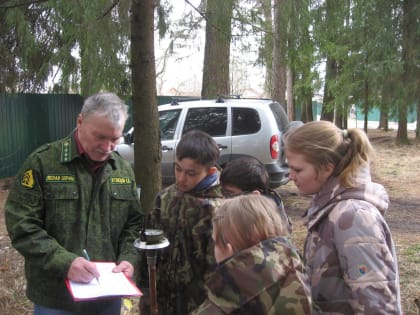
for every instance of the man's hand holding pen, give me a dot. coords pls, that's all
(82, 270)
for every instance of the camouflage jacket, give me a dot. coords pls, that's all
(57, 208)
(282, 211)
(349, 252)
(267, 278)
(184, 266)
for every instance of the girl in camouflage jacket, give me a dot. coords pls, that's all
(349, 251)
(259, 270)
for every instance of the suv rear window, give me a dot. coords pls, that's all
(212, 120)
(245, 121)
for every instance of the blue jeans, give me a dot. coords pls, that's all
(114, 308)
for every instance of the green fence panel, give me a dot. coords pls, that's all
(63, 110)
(30, 120)
(27, 121)
(13, 130)
(374, 115)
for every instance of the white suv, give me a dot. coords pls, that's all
(241, 127)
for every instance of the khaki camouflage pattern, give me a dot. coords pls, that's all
(349, 251)
(185, 265)
(267, 278)
(57, 208)
(281, 210)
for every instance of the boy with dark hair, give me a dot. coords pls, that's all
(184, 211)
(248, 175)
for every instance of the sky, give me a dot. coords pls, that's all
(184, 68)
(183, 75)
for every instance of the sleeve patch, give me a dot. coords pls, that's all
(28, 179)
(363, 269)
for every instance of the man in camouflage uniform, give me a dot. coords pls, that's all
(71, 195)
(184, 211)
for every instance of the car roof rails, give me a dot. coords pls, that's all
(221, 98)
(177, 100)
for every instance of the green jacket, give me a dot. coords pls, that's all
(189, 260)
(267, 278)
(57, 208)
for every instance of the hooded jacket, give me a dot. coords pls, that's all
(267, 278)
(184, 266)
(349, 251)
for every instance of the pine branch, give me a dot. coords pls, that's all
(113, 5)
(17, 5)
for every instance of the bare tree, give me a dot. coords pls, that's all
(217, 48)
(279, 53)
(145, 111)
(409, 45)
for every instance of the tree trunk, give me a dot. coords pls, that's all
(268, 46)
(383, 121)
(290, 97)
(217, 48)
(402, 134)
(147, 152)
(409, 66)
(339, 116)
(327, 112)
(418, 121)
(366, 105)
(279, 53)
(307, 114)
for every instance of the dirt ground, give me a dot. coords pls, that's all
(397, 168)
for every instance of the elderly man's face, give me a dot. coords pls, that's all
(98, 136)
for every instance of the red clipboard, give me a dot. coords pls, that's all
(110, 285)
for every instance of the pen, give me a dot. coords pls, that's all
(85, 253)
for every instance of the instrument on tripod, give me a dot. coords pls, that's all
(151, 241)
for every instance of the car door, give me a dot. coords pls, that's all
(168, 123)
(214, 121)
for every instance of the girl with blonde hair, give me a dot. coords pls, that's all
(259, 270)
(349, 252)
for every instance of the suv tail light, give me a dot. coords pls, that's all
(274, 147)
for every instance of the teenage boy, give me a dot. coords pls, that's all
(184, 212)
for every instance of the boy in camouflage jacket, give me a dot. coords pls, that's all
(259, 270)
(184, 211)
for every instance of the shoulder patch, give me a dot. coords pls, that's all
(28, 179)
(43, 148)
(363, 269)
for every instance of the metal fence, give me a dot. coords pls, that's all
(29, 120)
